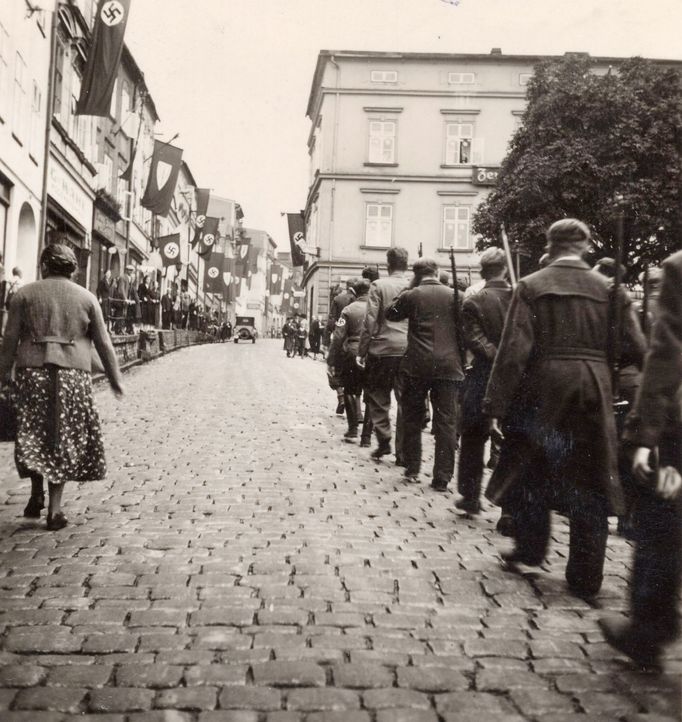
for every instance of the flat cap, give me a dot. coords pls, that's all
(493, 257)
(425, 266)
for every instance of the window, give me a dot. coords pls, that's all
(125, 101)
(382, 141)
(60, 54)
(458, 142)
(107, 179)
(35, 137)
(384, 76)
(524, 78)
(461, 78)
(4, 69)
(19, 98)
(379, 225)
(456, 220)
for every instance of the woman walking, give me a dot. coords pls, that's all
(51, 327)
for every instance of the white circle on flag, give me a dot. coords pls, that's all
(171, 250)
(213, 272)
(112, 13)
(298, 237)
(209, 239)
(200, 221)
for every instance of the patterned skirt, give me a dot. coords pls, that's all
(59, 434)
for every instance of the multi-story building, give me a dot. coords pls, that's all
(24, 67)
(122, 230)
(254, 291)
(403, 147)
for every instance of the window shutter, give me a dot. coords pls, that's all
(477, 151)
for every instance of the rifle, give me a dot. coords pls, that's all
(616, 310)
(458, 318)
(645, 303)
(507, 253)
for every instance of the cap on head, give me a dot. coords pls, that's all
(568, 231)
(370, 272)
(425, 267)
(58, 260)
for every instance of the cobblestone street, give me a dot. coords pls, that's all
(240, 563)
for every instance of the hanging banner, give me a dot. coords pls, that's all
(297, 238)
(203, 196)
(104, 57)
(209, 237)
(213, 273)
(243, 252)
(275, 281)
(169, 249)
(163, 177)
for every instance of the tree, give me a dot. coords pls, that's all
(584, 138)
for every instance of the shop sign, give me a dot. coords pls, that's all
(254, 306)
(485, 175)
(104, 226)
(63, 189)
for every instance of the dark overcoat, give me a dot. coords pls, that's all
(551, 381)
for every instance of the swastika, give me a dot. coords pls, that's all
(298, 237)
(209, 238)
(200, 221)
(112, 13)
(172, 250)
(213, 272)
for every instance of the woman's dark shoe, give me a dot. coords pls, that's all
(56, 521)
(35, 504)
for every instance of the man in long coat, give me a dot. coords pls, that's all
(483, 316)
(552, 370)
(657, 517)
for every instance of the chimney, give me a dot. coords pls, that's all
(496, 51)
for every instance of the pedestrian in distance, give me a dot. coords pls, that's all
(104, 290)
(167, 309)
(343, 352)
(51, 328)
(552, 372)
(314, 336)
(301, 337)
(653, 430)
(382, 346)
(338, 302)
(483, 316)
(432, 363)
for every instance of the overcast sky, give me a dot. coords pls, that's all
(233, 76)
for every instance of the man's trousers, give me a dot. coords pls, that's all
(381, 377)
(444, 398)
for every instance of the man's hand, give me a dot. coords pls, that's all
(640, 464)
(360, 361)
(669, 482)
(496, 431)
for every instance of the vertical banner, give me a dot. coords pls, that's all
(228, 279)
(209, 237)
(104, 57)
(243, 250)
(286, 304)
(275, 281)
(163, 177)
(296, 223)
(169, 248)
(213, 273)
(203, 196)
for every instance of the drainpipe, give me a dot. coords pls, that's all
(335, 136)
(48, 127)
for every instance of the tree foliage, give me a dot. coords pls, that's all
(586, 137)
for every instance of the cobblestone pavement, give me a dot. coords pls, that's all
(240, 563)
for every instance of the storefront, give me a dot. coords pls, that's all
(69, 215)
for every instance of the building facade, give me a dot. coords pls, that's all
(24, 68)
(403, 147)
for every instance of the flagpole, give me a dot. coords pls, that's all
(52, 72)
